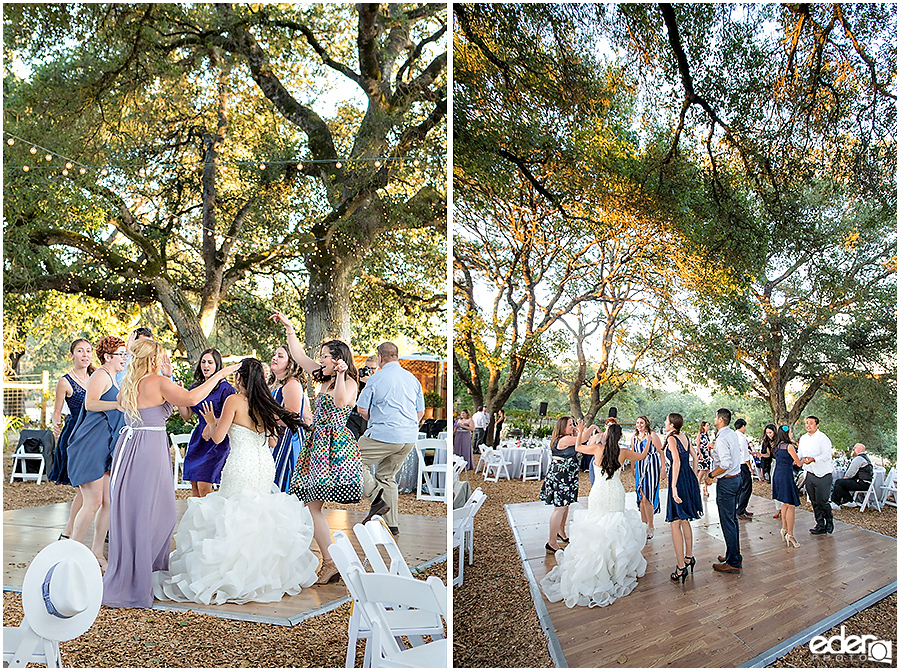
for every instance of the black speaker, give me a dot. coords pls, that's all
(543, 409)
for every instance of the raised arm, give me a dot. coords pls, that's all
(178, 395)
(344, 389)
(294, 346)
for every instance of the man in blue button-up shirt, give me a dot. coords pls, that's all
(393, 405)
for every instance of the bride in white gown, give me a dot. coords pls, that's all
(603, 560)
(242, 543)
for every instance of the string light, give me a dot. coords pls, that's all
(378, 161)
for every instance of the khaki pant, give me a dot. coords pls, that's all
(387, 459)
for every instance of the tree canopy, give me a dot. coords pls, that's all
(200, 152)
(759, 139)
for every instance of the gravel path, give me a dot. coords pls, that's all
(137, 637)
(494, 623)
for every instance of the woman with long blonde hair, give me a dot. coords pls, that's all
(560, 488)
(141, 491)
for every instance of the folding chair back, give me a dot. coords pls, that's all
(427, 599)
(177, 440)
(376, 533)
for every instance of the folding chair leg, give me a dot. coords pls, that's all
(352, 638)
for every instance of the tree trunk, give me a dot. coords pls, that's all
(180, 312)
(327, 303)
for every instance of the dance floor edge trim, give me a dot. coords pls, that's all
(769, 656)
(263, 619)
(760, 661)
(553, 644)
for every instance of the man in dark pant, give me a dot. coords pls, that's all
(727, 494)
(814, 451)
(740, 431)
(727, 468)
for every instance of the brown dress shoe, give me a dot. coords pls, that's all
(726, 568)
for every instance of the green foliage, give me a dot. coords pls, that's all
(433, 400)
(175, 424)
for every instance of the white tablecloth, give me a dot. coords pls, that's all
(516, 455)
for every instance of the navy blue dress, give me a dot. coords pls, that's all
(784, 487)
(60, 472)
(91, 447)
(204, 459)
(691, 506)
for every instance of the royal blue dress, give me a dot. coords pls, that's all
(691, 506)
(60, 472)
(784, 487)
(90, 448)
(204, 459)
(287, 450)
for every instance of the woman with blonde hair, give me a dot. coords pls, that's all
(141, 491)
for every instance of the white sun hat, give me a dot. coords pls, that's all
(62, 590)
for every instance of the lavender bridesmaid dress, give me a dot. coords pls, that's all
(142, 510)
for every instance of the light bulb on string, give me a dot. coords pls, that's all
(416, 163)
(104, 172)
(142, 172)
(377, 164)
(48, 157)
(338, 165)
(82, 171)
(10, 142)
(33, 150)
(262, 166)
(25, 168)
(69, 165)
(65, 173)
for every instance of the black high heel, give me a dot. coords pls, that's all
(679, 573)
(689, 563)
(564, 540)
(549, 549)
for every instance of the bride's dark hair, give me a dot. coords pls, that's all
(609, 464)
(263, 408)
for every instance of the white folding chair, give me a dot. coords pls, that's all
(459, 465)
(177, 440)
(496, 463)
(461, 519)
(401, 621)
(19, 465)
(889, 489)
(871, 495)
(531, 462)
(375, 533)
(429, 475)
(483, 460)
(477, 500)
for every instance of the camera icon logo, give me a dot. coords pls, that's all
(867, 647)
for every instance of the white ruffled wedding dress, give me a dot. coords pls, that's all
(603, 560)
(242, 543)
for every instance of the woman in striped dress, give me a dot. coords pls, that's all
(286, 379)
(646, 472)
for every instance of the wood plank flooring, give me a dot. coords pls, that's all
(423, 540)
(714, 620)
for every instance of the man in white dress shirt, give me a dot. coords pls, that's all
(740, 431)
(727, 468)
(393, 405)
(481, 420)
(815, 453)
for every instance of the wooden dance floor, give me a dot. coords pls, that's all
(782, 599)
(423, 541)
